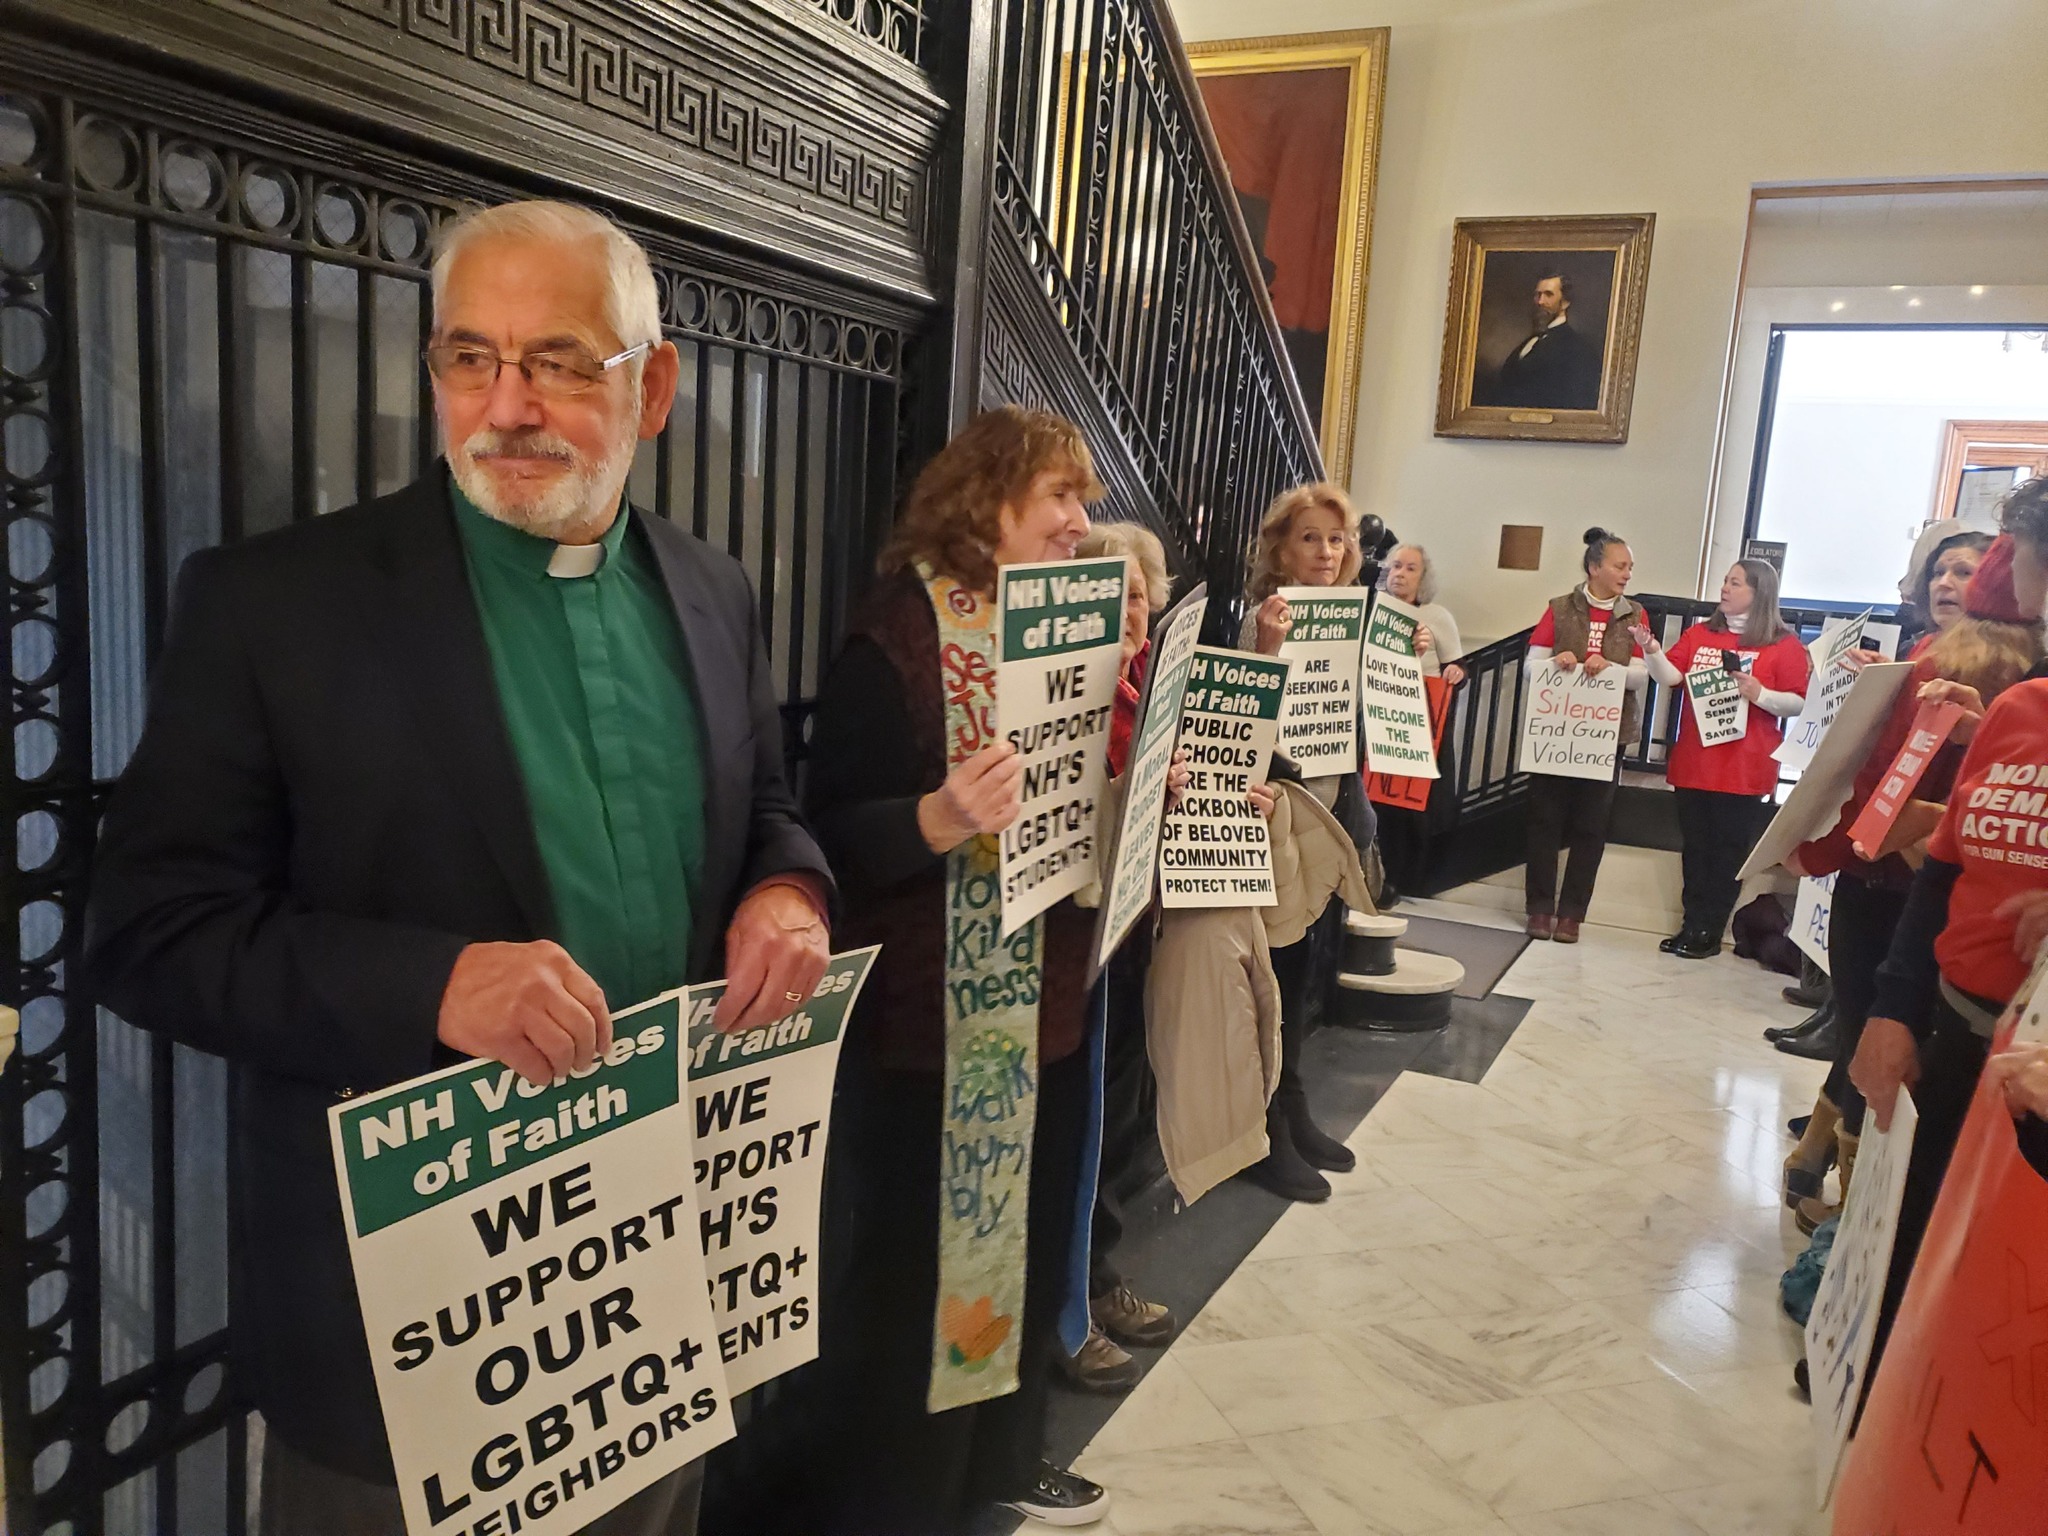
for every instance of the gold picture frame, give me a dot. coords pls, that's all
(1362, 57)
(1517, 362)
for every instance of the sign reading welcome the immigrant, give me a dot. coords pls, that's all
(1061, 628)
(761, 1105)
(1398, 734)
(1571, 722)
(1134, 856)
(532, 1283)
(1215, 849)
(1325, 640)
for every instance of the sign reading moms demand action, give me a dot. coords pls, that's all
(532, 1285)
(1061, 643)
(1215, 850)
(1319, 725)
(761, 1102)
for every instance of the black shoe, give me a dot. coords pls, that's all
(1806, 997)
(1667, 946)
(1806, 1028)
(1796, 1126)
(1388, 896)
(1696, 946)
(1317, 1147)
(1802, 1381)
(1283, 1170)
(1060, 1497)
(1821, 1045)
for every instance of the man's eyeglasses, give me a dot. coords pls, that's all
(471, 367)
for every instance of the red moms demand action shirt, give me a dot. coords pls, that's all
(1996, 829)
(1743, 767)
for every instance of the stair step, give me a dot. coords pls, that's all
(1415, 973)
(1374, 925)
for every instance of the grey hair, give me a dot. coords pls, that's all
(1135, 542)
(632, 303)
(1425, 584)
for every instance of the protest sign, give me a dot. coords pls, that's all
(1319, 722)
(1843, 1323)
(532, 1285)
(1951, 1434)
(1061, 647)
(1719, 711)
(1931, 727)
(1571, 722)
(1815, 803)
(1828, 686)
(761, 1106)
(1398, 790)
(1214, 850)
(1134, 853)
(1397, 720)
(1812, 913)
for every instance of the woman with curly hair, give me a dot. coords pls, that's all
(936, 1354)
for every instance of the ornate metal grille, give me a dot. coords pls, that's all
(205, 333)
(1111, 203)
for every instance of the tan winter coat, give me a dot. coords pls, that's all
(1212, 1003)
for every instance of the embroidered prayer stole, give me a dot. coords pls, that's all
(991, 1093)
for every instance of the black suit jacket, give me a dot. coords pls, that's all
(323, 810)
(1561, 373)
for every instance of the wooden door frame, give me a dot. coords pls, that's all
(2008, 444)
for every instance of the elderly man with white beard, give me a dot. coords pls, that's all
(455, 773)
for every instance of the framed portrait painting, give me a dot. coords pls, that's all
(1298, 120)
(1541, 330)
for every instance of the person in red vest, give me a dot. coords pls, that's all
(1976, 915)
(1724, 791)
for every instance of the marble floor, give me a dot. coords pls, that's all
(1544, 1304)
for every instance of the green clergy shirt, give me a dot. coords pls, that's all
(596, 692)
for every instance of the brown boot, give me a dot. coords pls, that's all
(1567, 930)
(1541, 925)
(1807, 1164)
(1810, 1213)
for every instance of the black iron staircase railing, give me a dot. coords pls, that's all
(1123, 285)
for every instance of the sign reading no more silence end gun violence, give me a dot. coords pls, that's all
(761, 1103)
(1061, 630)
(528, 1264)
(1571, 723)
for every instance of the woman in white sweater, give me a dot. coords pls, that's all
(1404, 834)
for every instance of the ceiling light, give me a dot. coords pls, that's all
(1838, 306)
(1976, 290)
(1898, 287)
(1913, 303)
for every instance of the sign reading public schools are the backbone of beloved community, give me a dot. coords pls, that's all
(554, 1324)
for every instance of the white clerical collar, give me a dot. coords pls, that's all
(572, 560)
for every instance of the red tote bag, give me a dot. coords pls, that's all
(1954, 1437)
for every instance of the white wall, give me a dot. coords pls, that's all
(1676, 107)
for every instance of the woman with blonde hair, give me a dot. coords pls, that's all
(908, 789)
(1405, 834)
(1308, 538)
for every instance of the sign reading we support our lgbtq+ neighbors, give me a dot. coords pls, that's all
(1061, 644)
(1398, 735)
(1325, 640)
(761, 1106)
(1215, 850)
(1571, 722)
(1134, 856)
(532, 1284)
